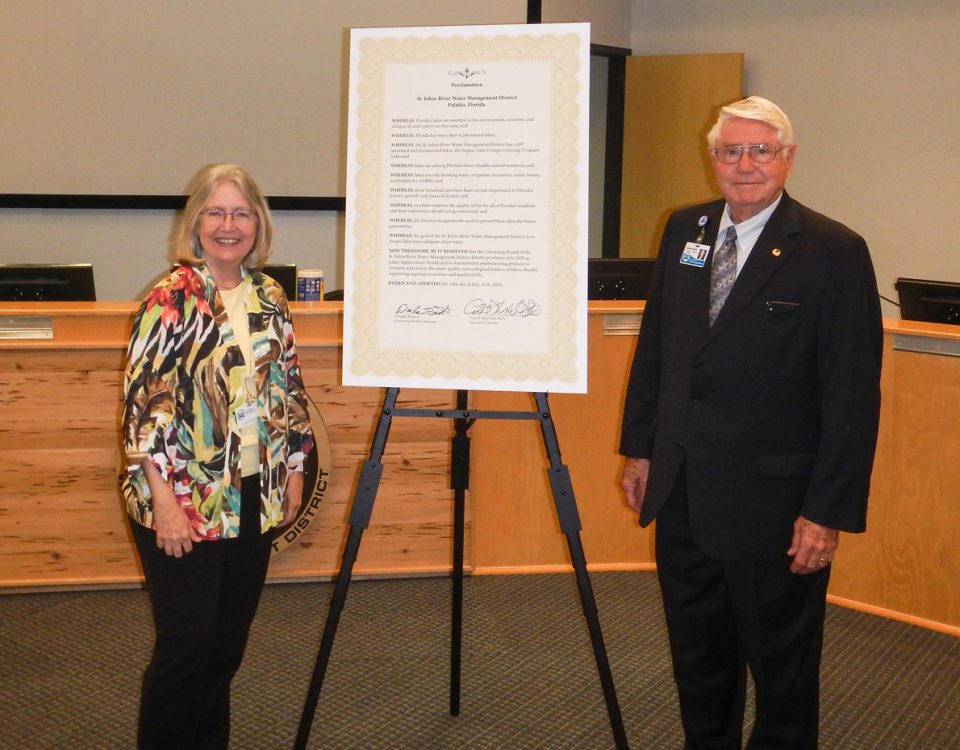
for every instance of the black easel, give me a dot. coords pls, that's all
(362, 507)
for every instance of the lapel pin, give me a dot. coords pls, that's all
(775, 252)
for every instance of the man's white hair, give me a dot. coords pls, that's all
(754, 108)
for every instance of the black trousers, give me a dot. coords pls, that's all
(723, 616)
(203, 605)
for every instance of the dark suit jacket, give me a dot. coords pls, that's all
(772, 411)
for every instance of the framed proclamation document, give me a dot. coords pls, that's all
(466, 217)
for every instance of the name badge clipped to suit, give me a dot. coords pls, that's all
(695, 253)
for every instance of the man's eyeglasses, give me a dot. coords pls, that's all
(760, 153)
(218, 215)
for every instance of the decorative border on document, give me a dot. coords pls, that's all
(559, 362)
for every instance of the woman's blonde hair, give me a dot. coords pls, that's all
(187, 244)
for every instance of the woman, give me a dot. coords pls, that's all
(215, 430)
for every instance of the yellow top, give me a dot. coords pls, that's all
(237, 313)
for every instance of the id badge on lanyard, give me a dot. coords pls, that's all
(247, 414)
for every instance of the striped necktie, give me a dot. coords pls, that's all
(723, 272)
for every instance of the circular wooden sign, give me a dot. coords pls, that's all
(316, 480)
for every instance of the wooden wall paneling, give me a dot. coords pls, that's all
(46, 396)
(591, 433)
(409, 527)
(906, 562)
(81, 536)
(62, 522)
(409, 530)
(514, 521)
(61, 514)
(62, 519)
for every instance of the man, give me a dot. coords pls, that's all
(749, 429)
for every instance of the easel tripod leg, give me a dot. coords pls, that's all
(569, 517)
(359, 520)
(459, 482)
(326, 644)
(588, 601)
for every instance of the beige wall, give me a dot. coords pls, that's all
(131, 96)
(610, 20)
(871, 87)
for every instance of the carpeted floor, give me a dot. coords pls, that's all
(70, 665)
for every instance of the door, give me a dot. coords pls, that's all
(670, 103)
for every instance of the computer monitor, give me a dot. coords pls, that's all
(285, 274)
(619, 278)
(929, 301)
(48, 282)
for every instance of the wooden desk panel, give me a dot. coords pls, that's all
(907, 562)
(515, 472)
(62, 523)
